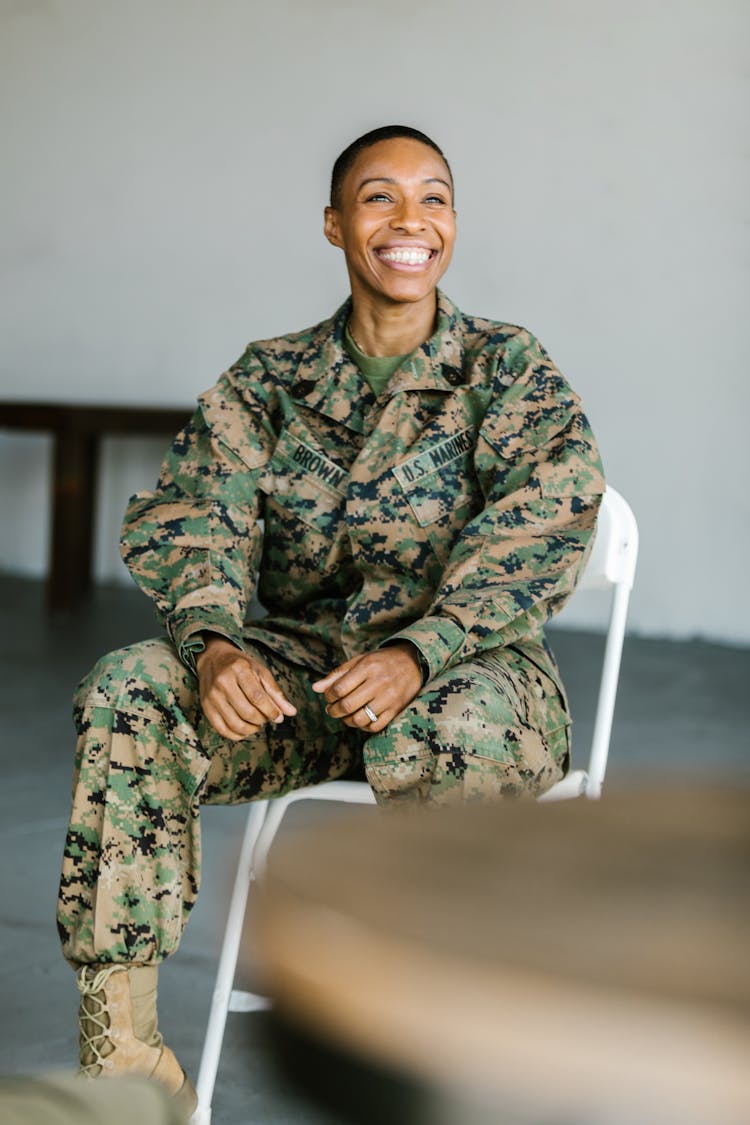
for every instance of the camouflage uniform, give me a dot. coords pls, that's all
(455, 510)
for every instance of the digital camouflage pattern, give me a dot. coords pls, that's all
(146, 757)
(455, 510)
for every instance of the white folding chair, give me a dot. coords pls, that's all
(611, 566)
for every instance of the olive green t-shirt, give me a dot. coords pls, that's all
(377, 369)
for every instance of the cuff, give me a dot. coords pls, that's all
(186, 631)
(438, 640)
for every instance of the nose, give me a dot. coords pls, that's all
(408, 216)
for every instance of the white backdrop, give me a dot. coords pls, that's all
(164, 168)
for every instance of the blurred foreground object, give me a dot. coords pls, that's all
(526, 963)
(64, 1099)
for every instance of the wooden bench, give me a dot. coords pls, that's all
(77, 431)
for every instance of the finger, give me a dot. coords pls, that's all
(336, 674)
(237, 695)
(276, 694)
(360, 720)
(232, 730)
(251, 690)
(362, 695)
(252, 696)
(356, 678)
(231, 702)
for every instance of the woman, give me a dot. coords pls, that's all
(412, 492)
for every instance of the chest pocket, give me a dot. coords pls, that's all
(301, 484)
(442, 490)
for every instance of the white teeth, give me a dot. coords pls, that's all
(411, 257)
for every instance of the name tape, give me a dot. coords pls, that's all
(318, 465)
(441, 454)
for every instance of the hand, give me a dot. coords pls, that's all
(238, 693)
(385, 681)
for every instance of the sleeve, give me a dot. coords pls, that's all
(517, 562)
(193, 544)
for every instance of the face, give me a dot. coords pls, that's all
(395, 223)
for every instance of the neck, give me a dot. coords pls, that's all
(395, 330)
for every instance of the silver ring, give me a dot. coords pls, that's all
(370, 714)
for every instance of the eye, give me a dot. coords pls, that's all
(378, 197)
(434, 200)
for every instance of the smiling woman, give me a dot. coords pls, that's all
(392, 214)
(411, 492)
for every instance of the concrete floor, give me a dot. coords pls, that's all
(682, 712)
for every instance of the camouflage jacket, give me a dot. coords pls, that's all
(455, 510)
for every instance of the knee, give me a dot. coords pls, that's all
(425, 756)
(400, 760)
(137, 708)
(138, 677)
(407, 759)
(462, 740)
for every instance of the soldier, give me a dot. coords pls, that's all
(412, 492)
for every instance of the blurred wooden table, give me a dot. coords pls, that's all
(77, 431)
(579, 962)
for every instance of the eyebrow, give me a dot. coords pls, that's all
(390, 180)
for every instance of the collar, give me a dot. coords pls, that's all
(329, 381)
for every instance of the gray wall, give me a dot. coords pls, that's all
(165, 166)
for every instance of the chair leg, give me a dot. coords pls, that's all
(605, 705)
(343, 792)
(262, 824)
(271, 824)
(227, 965)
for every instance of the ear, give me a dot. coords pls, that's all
(331, 226)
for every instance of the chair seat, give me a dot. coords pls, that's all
(572, 785)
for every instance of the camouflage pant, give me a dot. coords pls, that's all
(147, 756)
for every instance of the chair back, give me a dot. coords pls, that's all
(611, 565)
(615, 551)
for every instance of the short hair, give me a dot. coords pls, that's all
(384, 133)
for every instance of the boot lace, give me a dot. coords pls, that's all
(94, 1038)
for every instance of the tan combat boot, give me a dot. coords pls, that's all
(118, 1033)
